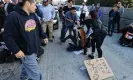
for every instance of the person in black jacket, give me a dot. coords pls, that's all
(10, 6)
(2, 15)
(22, 33)
(65, 10)
(113, 17)
(6, 2)
(97, 34)
(61, 11)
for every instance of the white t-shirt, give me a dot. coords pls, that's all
(84, 8)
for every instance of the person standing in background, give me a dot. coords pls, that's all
(48, 15)
(83, 10)
(6, 5)
(99, 12)
(61, 11)
(10, 6)
(2, 14)
(50, 2)
(93, 7)
(113, 17)
(67, 7)
(121, 12)
(65, 10)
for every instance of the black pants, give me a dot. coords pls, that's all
(70, 36)
(118, 25)
(63, 30)
(111, 27)
(73, 47)
(82, 18)
(97, 42)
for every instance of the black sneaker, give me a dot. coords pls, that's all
(91, 56)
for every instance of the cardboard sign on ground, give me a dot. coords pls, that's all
(99, 69)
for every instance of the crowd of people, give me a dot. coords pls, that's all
(25, 29)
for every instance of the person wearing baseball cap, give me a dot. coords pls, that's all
(48, 14)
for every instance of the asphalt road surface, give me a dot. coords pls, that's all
(58, 64)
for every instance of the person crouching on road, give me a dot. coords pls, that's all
(70, 19)
(97, 34)
(22, 33)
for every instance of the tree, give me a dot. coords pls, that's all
(79, 2)
(109, 3)
(90, 2)
(127, 3)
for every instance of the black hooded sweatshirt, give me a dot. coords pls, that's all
(22, 32)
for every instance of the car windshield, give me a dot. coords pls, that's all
(77, 8)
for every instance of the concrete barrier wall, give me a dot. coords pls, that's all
(126, 19)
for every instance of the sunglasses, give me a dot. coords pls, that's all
(119, 3)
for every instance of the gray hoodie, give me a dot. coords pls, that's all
(121, 11)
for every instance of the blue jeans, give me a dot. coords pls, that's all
(111, 27)
(30, 68)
